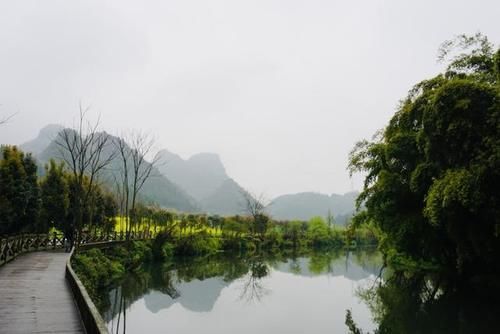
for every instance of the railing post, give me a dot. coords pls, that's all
(14, 246)
(1, 251)
(7, 249)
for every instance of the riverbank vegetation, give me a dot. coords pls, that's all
(98, 269)
(433, 174)
(229, 265)
(431, 189)
(31, 201)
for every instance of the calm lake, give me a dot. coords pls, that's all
(244, 294)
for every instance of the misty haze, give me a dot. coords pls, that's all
(266, 166)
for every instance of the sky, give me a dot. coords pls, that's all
(280, 89)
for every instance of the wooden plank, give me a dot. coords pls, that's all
(35, 297)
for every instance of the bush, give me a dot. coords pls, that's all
(96, 271)
(199, 243)
(132, 254)
(159, 247)
(293, 233)
(273, 238)
(238, 244)
(167, 250)
(138, 253)
(318, 232)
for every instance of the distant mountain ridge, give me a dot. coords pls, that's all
(201, 184)
(204, 177)
(304, 206)
(157, 189)
(46, 135)
(226, 200)
(200, 175)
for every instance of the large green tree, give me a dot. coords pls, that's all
(433, 174)
(19, 191)
(55, 197)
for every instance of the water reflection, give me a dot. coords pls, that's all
(196, 283)
(252, 288)
(423, 303)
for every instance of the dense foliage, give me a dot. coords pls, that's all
(33, 203)
(54, 192)
(433, 174)
(420, 303)
(98, 269)
(19, 191)
(198, 235)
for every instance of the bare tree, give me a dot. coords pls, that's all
(133, 149)
(254, 206)
(123, 184)
(86, 152)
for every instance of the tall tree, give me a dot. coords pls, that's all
(86, 152)
(19, 191)
(133, 150)
(54, 193)
(433, 174)
(255, 206)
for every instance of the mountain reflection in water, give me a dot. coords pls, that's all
(251, 283)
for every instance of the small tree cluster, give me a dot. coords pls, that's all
(29, 203)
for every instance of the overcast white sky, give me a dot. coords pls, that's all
(281, 90)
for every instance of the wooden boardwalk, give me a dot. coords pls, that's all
(35, 297)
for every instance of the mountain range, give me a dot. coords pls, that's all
(157, 189)
(305, 205)
(201, 184)
(204, 177)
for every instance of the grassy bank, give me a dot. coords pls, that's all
(100, 268)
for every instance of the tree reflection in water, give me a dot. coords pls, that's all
(420, 303)
(252, 288)
(196, 282)
(134, 286)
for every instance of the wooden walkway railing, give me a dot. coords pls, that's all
(13, 246)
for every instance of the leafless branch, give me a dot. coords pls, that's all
(133, 149)
(6, 119)
(86, 152)
(253, 205)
